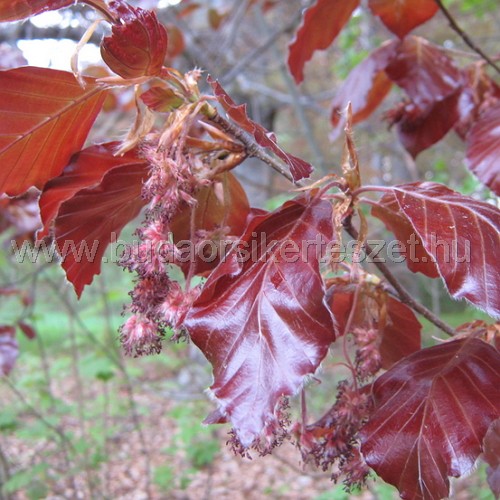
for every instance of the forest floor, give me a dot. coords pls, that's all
(186, 460)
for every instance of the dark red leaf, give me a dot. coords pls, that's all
(415, 256)
(401, 16)
(85, 170)
(491, 455)
(14, 10)
(9, 349)
(365, 88)
(138, 43)
(483, 148)
(321, 24)
(220, 214)
(28, 330)
(424, 71)
(479, 94)
(299, 169)
(462, 235)
(418, 130)
(399, 329)
(432, 411)
(45, 117)
(93, 217)
(261, 319)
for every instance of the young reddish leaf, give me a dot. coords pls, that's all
(86, 169)
(415, 255)
(365, 88)
(20, 214)
(138, 43)
(463, 237)
(432, 411)
(399, 329)
(401, 16)
(15, 10)
(9, 349)
(45, 117)
(420, 129)
(423, 71)
(93, 217)
(216, 18)
(321, 24)
(491, 455)
(401, 335)
(261, 319)
(483, 149)
(299, 169)
(28, 330)
(162, 99)
(176, 43)
(220, 213)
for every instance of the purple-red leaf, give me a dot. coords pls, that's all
(14, 10)
(321, 24)
(419, 129)
(463, 237)
(424, 71)
(88, 221)
(86, 169)
(401, 16)
(365, 88)
(432, 411)
(9, 349)
(45, 117)
(28, 330)
(433, 83)
(415, 256)
(299, 169)
(261, 319)
(483, 148)
(138, 43)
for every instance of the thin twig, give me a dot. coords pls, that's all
(81, 407)
(4, 472)
(403, 294)
(130, 395)
(251, 146)
(465, 37)
(297, 103)
(260, 50)
(106, 427)
(65, 441)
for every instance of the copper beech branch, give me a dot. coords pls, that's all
(257, 151)
(403, 294)
(252, 148)
(465, 37)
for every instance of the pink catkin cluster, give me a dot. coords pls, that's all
(368, 358)
(158, 302)
(332, 441)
